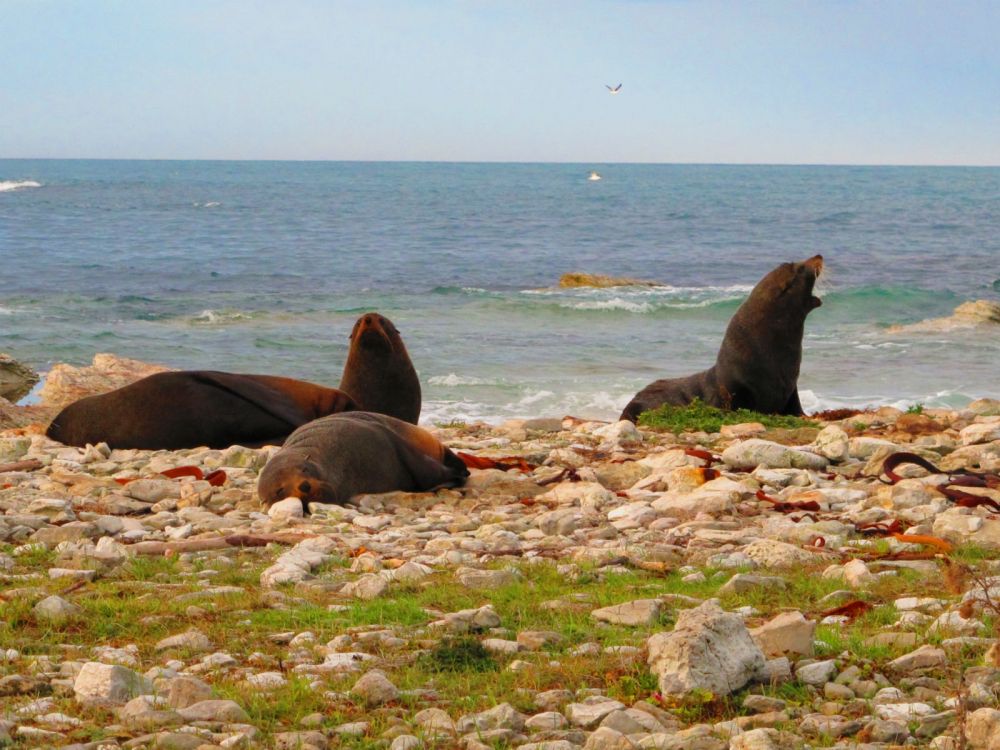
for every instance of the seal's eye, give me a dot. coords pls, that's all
(305, 487)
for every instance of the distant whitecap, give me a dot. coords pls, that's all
(8, 185)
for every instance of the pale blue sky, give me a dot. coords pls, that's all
(750, 81)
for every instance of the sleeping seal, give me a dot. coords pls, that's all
(192, 408)
(335, 458)
(758, 364)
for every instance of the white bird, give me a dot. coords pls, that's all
(614, 90)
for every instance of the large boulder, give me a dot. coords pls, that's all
(65, 383)
(708, 649)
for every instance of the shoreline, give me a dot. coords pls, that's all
(139, 611)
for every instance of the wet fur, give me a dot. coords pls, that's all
(758, 363)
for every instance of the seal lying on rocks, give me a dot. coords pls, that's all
(758, 363)
(192, 408)
(335, 458)
(378, 374)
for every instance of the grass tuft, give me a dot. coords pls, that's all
(463, 654)
(700, 417)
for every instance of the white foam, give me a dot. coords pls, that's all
(452, 380)
(8, 185)
(218, 317)
(611, 304)
(534, 398)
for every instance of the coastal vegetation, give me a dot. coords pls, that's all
(700, 417)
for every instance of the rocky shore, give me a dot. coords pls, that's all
(604, 587)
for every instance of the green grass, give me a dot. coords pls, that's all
(700, 417)
(916, 408)
(462, 654)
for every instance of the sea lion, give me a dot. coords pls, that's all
(335, 458)
(378, 374)
(758, 364)
(192, 408)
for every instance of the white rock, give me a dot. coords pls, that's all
(981, 432)
(367, 587)
(192, 640)
(589, 712)
(755, 452)
(374, 688)
(283, 510)
(637, 612)
(788, 633)
(708, 649)
(55, 609)
(267, 680)
(108, 685)
(832, 442)
(818, 673)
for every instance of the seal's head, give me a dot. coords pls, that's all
(790, 286)
(289, 474)
(376, 332)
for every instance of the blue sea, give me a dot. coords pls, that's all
(264, 266)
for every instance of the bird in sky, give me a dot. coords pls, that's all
(613, 89)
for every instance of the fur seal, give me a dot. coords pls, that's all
(758, 364)
(192, 408)
(378, 374)
(335, 458)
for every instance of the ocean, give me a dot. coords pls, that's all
(264, 266)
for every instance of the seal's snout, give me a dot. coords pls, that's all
(815, 263)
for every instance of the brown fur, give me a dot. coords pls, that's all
(758, 363)
(188, 409)
(333, 459)
(378, 373)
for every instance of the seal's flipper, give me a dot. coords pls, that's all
(794, 406)
(429, 473)
(269, 400)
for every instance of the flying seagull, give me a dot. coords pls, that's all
(614, 90)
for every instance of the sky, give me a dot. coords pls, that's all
(745, 81)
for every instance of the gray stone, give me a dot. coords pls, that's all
(367, 587)
(749, 454)
(374, 688)
(589, 712)
(502, 716)
(184, 691)
(925, 657)
(788, 633)
(485, 579)
(637, 612)
(225, 711)
(192, 640)
(818, 673)
(55, 609)
(99, 684)
(741, 583)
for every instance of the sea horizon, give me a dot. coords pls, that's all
(263, 265)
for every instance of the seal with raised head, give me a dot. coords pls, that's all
(758, 364)
(335, 458)
(192, 408)
(378, 374)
